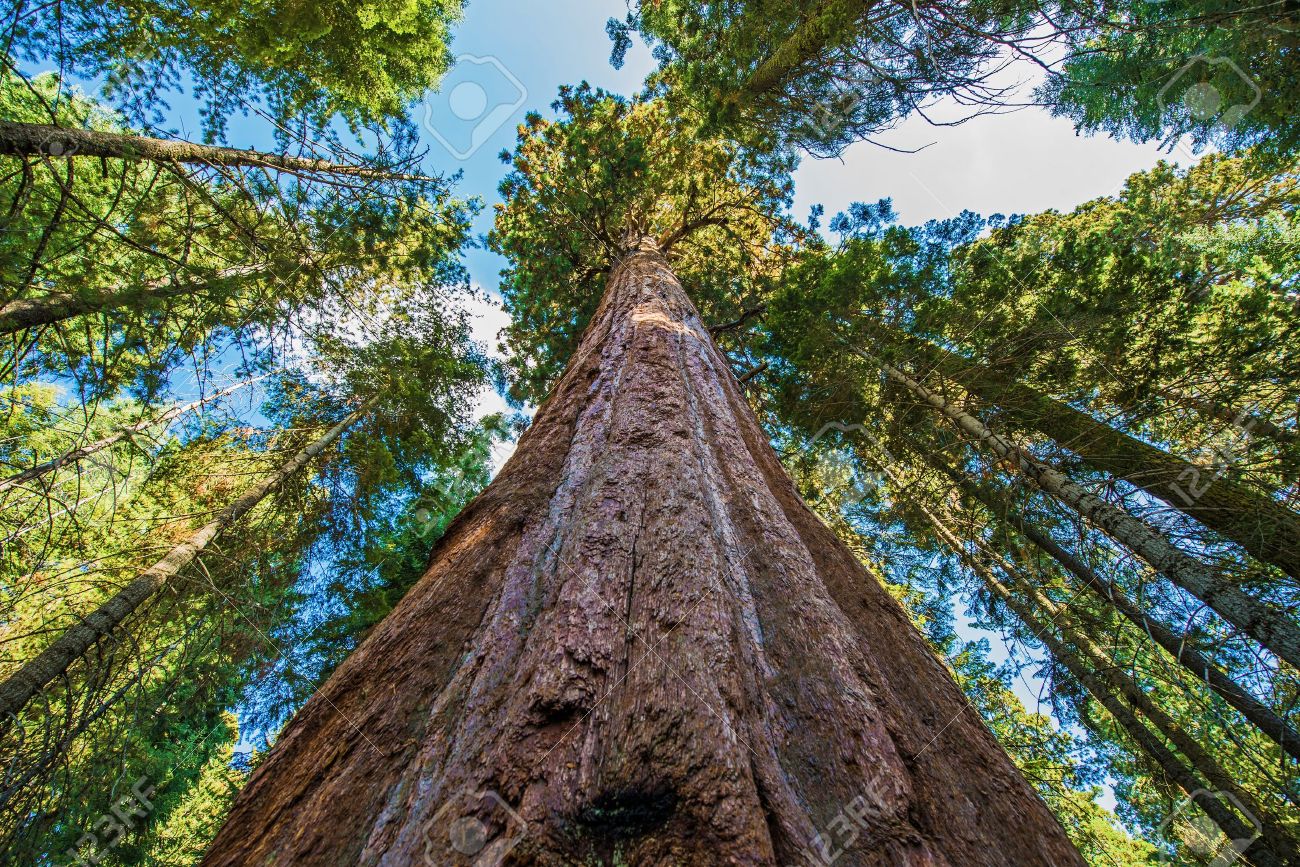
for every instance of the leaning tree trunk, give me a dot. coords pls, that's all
(1229, 823)
(74, 456)
(1263, 622)
(1105, 681)
(45, 140)
(1126, 685)
(1245, 419)
(22, 685)
(1264, 527)
(639, 646)
(816, 31)
(23, 313)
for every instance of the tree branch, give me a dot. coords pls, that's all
(39, 139)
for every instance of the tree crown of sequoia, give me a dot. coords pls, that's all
(611, 174)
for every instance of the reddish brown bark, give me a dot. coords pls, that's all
(641, 641)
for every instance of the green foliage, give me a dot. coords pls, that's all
(1181, 285)
(373, 576)
(347, 290)
(188, 262)
(364, 61)
(1182, 266)
(148, 701)
(196, 811)
(1051, 759)
(824, 74)
(1180, 288)
(359, 290)
(1219, 72)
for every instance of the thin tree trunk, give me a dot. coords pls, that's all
(639, 646)
(19, 688)
(1268, 626)
(1255, 425)
(1260, 525)
(36, 140)
(1268, 722)
(1229, 823)
(82, 452)
(23, 313)
(18, 781)
(1102, 679)
(1126, 686)
(812, 35)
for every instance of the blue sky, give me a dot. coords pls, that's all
(1015, 163)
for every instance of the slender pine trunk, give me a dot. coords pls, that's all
(26, 778)
(44, 140)
(1259, 524)
(1270, 627)
(23, 313)
(1126, 686)
(80, 453)
(19, 688)
(1244, 419)
(1275, 727)
(639, 646)
(1232, 825)
(824, 23)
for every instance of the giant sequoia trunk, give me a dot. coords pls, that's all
(638, 646)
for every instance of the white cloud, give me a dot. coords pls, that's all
(1017, 163)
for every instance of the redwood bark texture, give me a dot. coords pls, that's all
(638, 646)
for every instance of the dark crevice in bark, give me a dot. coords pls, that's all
(628, 814)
